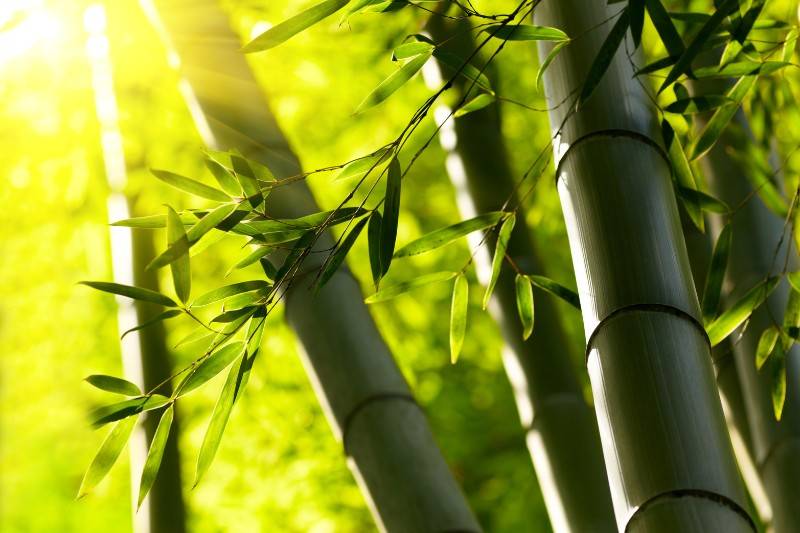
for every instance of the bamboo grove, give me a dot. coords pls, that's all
(668, 172)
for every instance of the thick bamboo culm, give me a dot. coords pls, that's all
(667, 450)
(388, 443)
(756, 236)
(561, 428)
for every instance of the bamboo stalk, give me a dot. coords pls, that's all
(561, 428)
(386, 437)
(667, 450)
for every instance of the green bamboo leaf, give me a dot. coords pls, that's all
(525, 32)
(219, 419)
(160, 221)
(657, 65)
(730, 53)
(155, 453)
(340, 254)
(245, 299)
(365, 164)
(746, 23)
(548, 60)
(604, 57)
(210, 367)
(525, 304)
(557, 290)
(411, 49)
(738, 69)
(727, 322)
(113, 384)
(391, 212)
(791, 319)
(698, 104)
(294, 255)
(499, 255)
(684, 63)
(766, 344)
(387, 293)
(302, 224)
(374, 243)
(117, 411)
(713, 129)
(453, 65)
(779, 388)
(137, 293)
(170, 313)
(181, 268)
(248, 179)
(396, 80)
(684, 177)
(665, 28)
(706, 202)
(220, 293)
(223, 176)
(636, 14)
(448, 234)
(231, 316)
(716, 274)
(191, 186)
(294, 25)
(794, 280)
(479, 102)
(789, 44)
(760, 174)
(107, 455)
(252, 257)
(458, 316)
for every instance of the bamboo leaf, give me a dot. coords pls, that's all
(387, 293)
(251, 258)
(210, 367)
(302, 224)
(155, 453)
(791, 318)
(684, 177)
(779, 388)
(365, 164)
(396, 80)
(686, 59)
(245, 299)
(636, 14)
(453, 65)
(170, 313)
(209, 222)
(548, 60)
(479, 102)
(411, 49)
(458, 316)
(137, 293)
(223, 176)
(525, 32)
(181, 268)
(106, 456)
(117, 411)
(374, 243)
(740, 68)
(391, 212)
(794, 280)
(221, 293)
(248, 179)
(746, 23)
(698, 104)
(340, 254)
(604, 57)
(294, 25)
(499, 255)
(706, 202)
(665, 28)
(525, 304)
(789, 44)
(716, 274)
(114, 384)
(715, 126)
(727, 322)
(191, 186)
(766, 344)
(448, 234)
(557, 290)
(219, 419)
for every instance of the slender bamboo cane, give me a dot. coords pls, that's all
(775, 445)
(369, 406)
(561, 428)
(666, 447)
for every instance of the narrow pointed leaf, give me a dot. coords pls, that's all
(294, 25)
(396, 80)
(706, 202)
(191, 186)
(361, 166)
(458, 316)
(727, 322)
(329, 218)
(411, 49)
(225, 179)
(210, 367)
(525, 32)
(684, 177)
(715, 126)
(548, 60)
(248, 179)
(181, 267)
(341, 253)
(499, 255)
(794, 280)
(155, 453)
(137, 293)
(791, 319)
(716, 274)
(391, 213)
(209, 222)
(252, 257)
(698, 104)
(557, 290)
(525, 304)
(374, 244)
(740, 68)
(604, 57)
(117, 411)
(170, 313)
(636, 14)
(789, 44)
(665, 28)
(766, 344)
(479, 102)
(107, 455)
(387, 293)
(114, 384)
(452, 65)
(227, 291)
(779, 388)
(446, 235)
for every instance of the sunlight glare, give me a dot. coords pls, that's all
(23, 25)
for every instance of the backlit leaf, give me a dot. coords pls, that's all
(374, 243)
(137, 293)
(181, 268)
(698, 104)
(117, 411)
(548, 60)
(155, 453)
(766, 344)
(387, 293)
(369, 163)
(223, 176)
(114, 384)
(525, 32)
(556, 289)
(706, 202)
(715, 126)
(716, 274)
(525, 304)
(453, 65)
(684, 177)
(727, 322)
(210, 367)
(448, 234)
(107, 455)
(170, 313)
(191, 186)
(294, 25)
(458, 316)
(340, 254)
(791, 318)
(779, 387)
(391, 212)
(221, 293)
(499, 255)
(396, 80)
(479, 102)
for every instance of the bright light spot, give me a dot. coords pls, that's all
(94, 19)
(24, 24)
(258, 28)
(97, 46)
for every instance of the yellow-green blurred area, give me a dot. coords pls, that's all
(279, 467)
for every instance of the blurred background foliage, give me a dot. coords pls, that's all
(279, 467)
